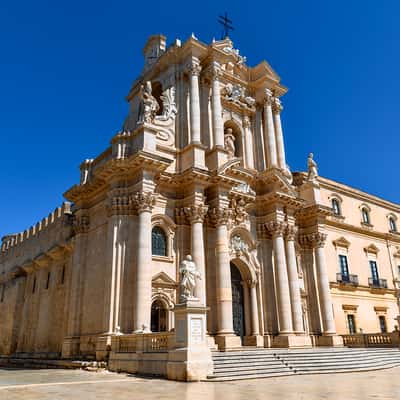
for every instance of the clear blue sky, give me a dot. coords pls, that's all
(65, 68)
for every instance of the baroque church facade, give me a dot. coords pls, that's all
(285, 259)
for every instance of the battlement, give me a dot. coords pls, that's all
(13, 240)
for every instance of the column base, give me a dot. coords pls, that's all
(254, 340)
(227, 342)
(193, 155)
(103, 347)
(292, 341)
(216, 157)
(211, 342)
(268, 339)
(330, 340)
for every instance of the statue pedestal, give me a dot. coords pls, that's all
(190, 360)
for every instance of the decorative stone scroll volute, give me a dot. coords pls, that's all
(196, 213)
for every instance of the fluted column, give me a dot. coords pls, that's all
(293, 276)
(196, 214)
(270, 144)
(247, 319)
(141, 321)
(223, 272)
(218, 125)
(280, 144)
(254, 310)
(248, 143)
(328, 321)
(195, 132)
(277, 229)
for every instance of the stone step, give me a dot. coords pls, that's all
(264, 371)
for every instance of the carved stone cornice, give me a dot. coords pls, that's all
(143, 201)
(276, 228)
(219, 216)
(196, 213)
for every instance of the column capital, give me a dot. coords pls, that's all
(313, 240)
(246, 122)
(268, 98)
(143, 201)
(219, 216)
(192, 68)
(196, 212)
(213, 71)
(276, 228)
(277, 106)
(81, 224)
(119, 204)
(291, 232)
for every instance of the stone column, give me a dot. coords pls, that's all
(247, 319)
(254, 310)
(225, 334)
(248, 143)
(195, 135)
(277, 229)
(218, 125)
(294, 287)
(270, 144)
(280, 144)
(328, 322)
(141, 322)
(196, 214)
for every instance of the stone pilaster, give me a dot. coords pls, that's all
(216, 107)
(194, 72)
(270, 145)
(249, 156)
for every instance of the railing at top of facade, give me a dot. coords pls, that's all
(377, 283)
(372, 339)
(347, 279)
(143, 342)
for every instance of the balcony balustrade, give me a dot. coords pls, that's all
(347, 279)
(377, 283)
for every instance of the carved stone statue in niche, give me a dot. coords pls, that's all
(229, 142)
(149, 105)
(189, 275)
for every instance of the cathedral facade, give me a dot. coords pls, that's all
(285, 259)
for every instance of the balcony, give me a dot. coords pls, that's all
(347, 279)
(377, 283)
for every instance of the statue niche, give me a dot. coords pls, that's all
(233, 140)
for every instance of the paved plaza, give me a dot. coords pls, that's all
(74, 384)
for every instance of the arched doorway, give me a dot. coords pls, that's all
(237, 302)
(158, 317)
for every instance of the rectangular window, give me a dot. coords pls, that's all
(344, 267)
(48, 280)
(62, 275)
(351, 322)
(374, 272)
(382, 324)
(3, 289)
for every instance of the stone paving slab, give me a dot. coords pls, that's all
(76, 385)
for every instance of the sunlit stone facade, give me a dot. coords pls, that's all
(199, 167)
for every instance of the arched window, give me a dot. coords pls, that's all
(158, 242)
(158, 317)
(365, 216)
(336, 207)
(392, 224)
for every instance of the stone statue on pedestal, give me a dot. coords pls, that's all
(312, 168)
(229, 141)
(189, 274)
(149, 105)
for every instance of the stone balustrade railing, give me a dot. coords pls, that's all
(372, 340)
(143, 342)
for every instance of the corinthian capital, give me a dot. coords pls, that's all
(313, 240)
(144, 201)
(219, 216)
(268, 98)
(291, 232)
(193, 68)
(276, 228)
(196, 213)
(277, 106)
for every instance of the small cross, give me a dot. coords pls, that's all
(226, 24)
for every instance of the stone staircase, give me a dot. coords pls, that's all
(267, 363)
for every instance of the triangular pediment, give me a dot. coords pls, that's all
(163, 280)
(341, 242)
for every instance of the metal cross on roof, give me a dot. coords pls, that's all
(226, 24)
